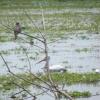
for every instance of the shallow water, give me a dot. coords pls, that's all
(82, 61)
(94, 89)
(79, 53)
(54, 11)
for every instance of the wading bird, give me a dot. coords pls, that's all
(97, 70)
(58, 68)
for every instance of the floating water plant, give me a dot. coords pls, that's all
(83, 50)
(77, 94)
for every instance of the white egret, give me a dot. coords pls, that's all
(57, 68)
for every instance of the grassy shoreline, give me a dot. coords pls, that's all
(6, 81)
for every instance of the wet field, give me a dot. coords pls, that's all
(73, 35)
(78, 52)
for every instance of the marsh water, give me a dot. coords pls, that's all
(78, 52)
(94, 89)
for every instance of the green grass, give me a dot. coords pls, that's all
(6, 82)
(5, 4)
(77, 94)
(57, 24)
(74, 78)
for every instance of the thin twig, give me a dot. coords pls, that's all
(33, 23)
(24, 34)
(23, 88)
(20, 77)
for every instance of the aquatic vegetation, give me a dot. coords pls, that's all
(5, 52)
(83, 50)
(64, 22)
(6, 82)
(61, 17)
(58, 3)
(65, 62)
(74, 78)
(4, 38)
(77, 94)
(84, 37)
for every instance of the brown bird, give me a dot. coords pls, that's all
(17, 30)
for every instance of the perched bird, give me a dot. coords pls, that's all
(17, 30)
